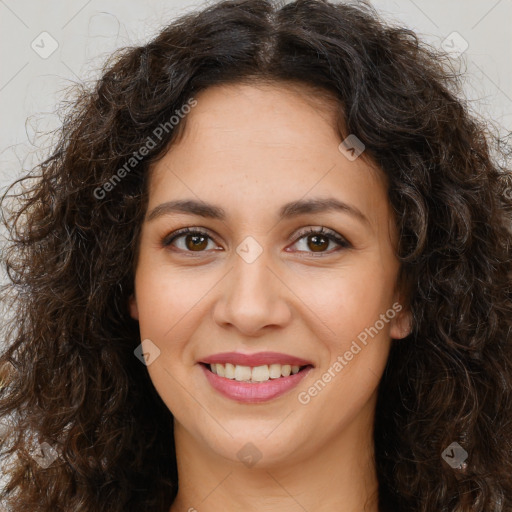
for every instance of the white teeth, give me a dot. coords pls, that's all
(254, 374)
(242, 372)
(220, 370)
(275, 371)
(229, 371)
(260, 373)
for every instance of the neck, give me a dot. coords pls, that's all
(339, 476)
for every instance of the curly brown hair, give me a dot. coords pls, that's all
(70, 375)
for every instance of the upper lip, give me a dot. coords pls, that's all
(257, 359)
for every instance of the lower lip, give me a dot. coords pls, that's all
(248, 392)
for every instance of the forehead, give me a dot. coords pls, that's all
(264, 145)
(263, 110)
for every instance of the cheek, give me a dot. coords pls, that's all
(354, 313)
(166, 297)
(357, 346)
(169, 304)
(349, 300)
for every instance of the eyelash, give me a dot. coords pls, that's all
(326, 232)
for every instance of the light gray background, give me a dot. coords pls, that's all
(87, 30)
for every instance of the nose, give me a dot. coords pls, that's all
(253, 298)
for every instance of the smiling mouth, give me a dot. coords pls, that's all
(254, 374)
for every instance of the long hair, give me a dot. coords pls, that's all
(85, 429)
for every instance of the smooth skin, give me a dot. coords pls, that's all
(250, 149)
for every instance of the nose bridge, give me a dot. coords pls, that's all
(252, 277)
(251, 270)
(252, 297)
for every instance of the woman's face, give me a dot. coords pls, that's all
(253, 162)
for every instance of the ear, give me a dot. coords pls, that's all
(132, 306)
(401, 324)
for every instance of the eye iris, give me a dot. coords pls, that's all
(199, 242)
(318, 246)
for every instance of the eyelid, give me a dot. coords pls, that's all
(169, 238)
(321, 230)
(294, 237)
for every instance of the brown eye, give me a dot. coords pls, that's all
(188, 240)
(196, 242)
(317, 242)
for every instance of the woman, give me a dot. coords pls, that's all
(266, 268)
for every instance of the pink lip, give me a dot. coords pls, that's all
(248, 392)
(257, 359)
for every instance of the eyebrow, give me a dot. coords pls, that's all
(289, 210)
